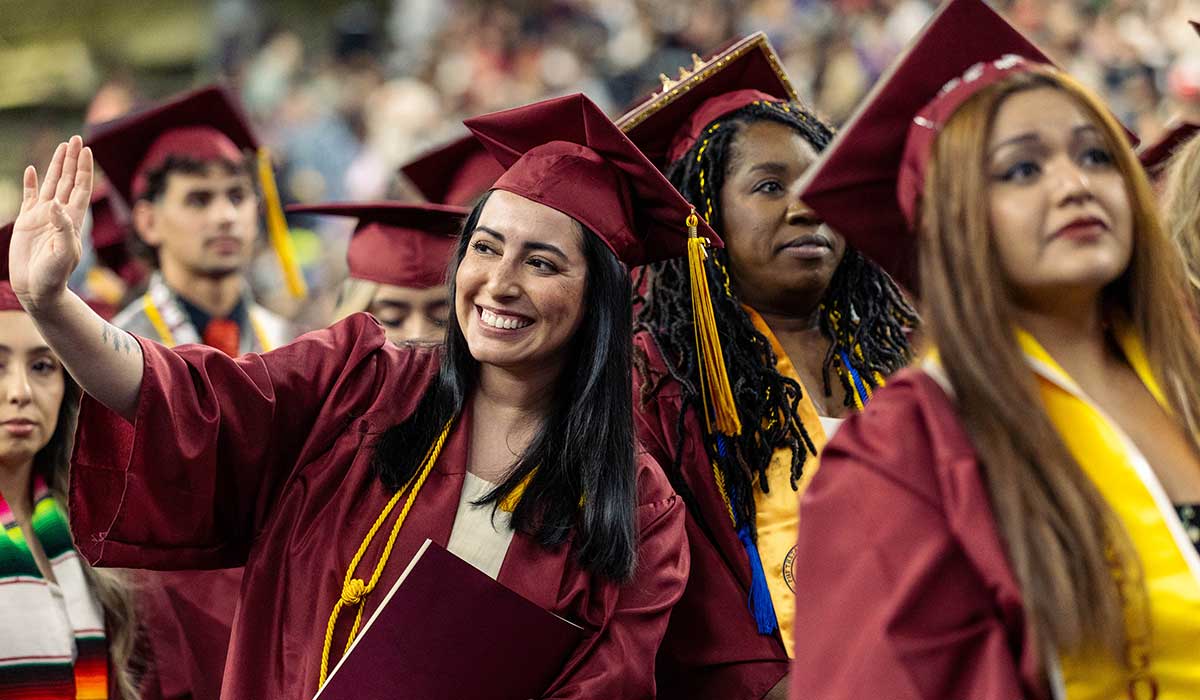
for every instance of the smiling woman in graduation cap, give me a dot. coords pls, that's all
(398, 258)
(808, 328)
(512, 445)
(1016, 534)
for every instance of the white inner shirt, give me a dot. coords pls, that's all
(479, 537)
(831, 425)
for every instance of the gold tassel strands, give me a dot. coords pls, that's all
(714, 380)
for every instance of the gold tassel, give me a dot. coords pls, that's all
(277, 228)
(713, 378)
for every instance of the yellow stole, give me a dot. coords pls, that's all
(777, 516)
(1170, 567)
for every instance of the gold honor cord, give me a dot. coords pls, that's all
(714, 381)
(168, 338)
(355, 590)
(277, 229)
(156, 320)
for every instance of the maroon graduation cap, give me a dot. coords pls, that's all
(668, 123)
(110, 235)
(456, 173)
(566, 154)
(406, 245)
(867, 181)
(8, 299)
(1154, 157)
(203, 125)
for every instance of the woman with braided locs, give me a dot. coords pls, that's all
(808, 328)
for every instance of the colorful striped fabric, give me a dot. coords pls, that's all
(52, 643)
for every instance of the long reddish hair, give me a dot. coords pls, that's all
(1061, 536)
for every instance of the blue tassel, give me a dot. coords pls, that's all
(857, 380)
(760, 595)
(761, 605)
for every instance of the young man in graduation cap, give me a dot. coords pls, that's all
(324, 466)
(457, 173)
(398, 257)
(1022, 498)
(185, 170)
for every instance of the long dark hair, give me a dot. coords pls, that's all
(584, 476)
(112, 588)
(863, 313)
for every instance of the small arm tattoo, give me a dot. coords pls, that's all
(117, 338)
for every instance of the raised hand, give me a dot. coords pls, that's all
(45, 244)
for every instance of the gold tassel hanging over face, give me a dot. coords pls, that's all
(277, 230)
(714, 381)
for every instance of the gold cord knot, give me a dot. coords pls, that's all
(354, 591)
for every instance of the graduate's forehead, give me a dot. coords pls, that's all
(19, 335)
(1039, 116)
(519, 220)
(211, 176)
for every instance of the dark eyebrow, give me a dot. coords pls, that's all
(393, 304)
(768, 167)
(1033, 137)
(491, 232)
(545, 247)
(1029, 137)
(39, 350)
(528, 245)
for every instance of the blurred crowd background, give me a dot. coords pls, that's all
(345, 92)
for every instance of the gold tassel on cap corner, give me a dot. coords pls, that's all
(714, 381)
(277, 228)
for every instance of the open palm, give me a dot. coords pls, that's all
(45, 245)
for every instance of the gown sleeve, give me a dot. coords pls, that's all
(889, 602)
(617, 661)
(214, 439)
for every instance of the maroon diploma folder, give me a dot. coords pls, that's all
(447, 631)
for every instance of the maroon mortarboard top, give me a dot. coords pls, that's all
(1155, 156)
(866, 183)
(565, 154)
(406, 245)
(8, 300)
(456, 173)
(203, 125)
(110, 234)
(670, 122)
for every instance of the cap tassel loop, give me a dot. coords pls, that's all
(714, 381)
(277, 229)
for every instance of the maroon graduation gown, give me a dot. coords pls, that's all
(903, 588)
(186, 618)
(712, 648)
(264, 461)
